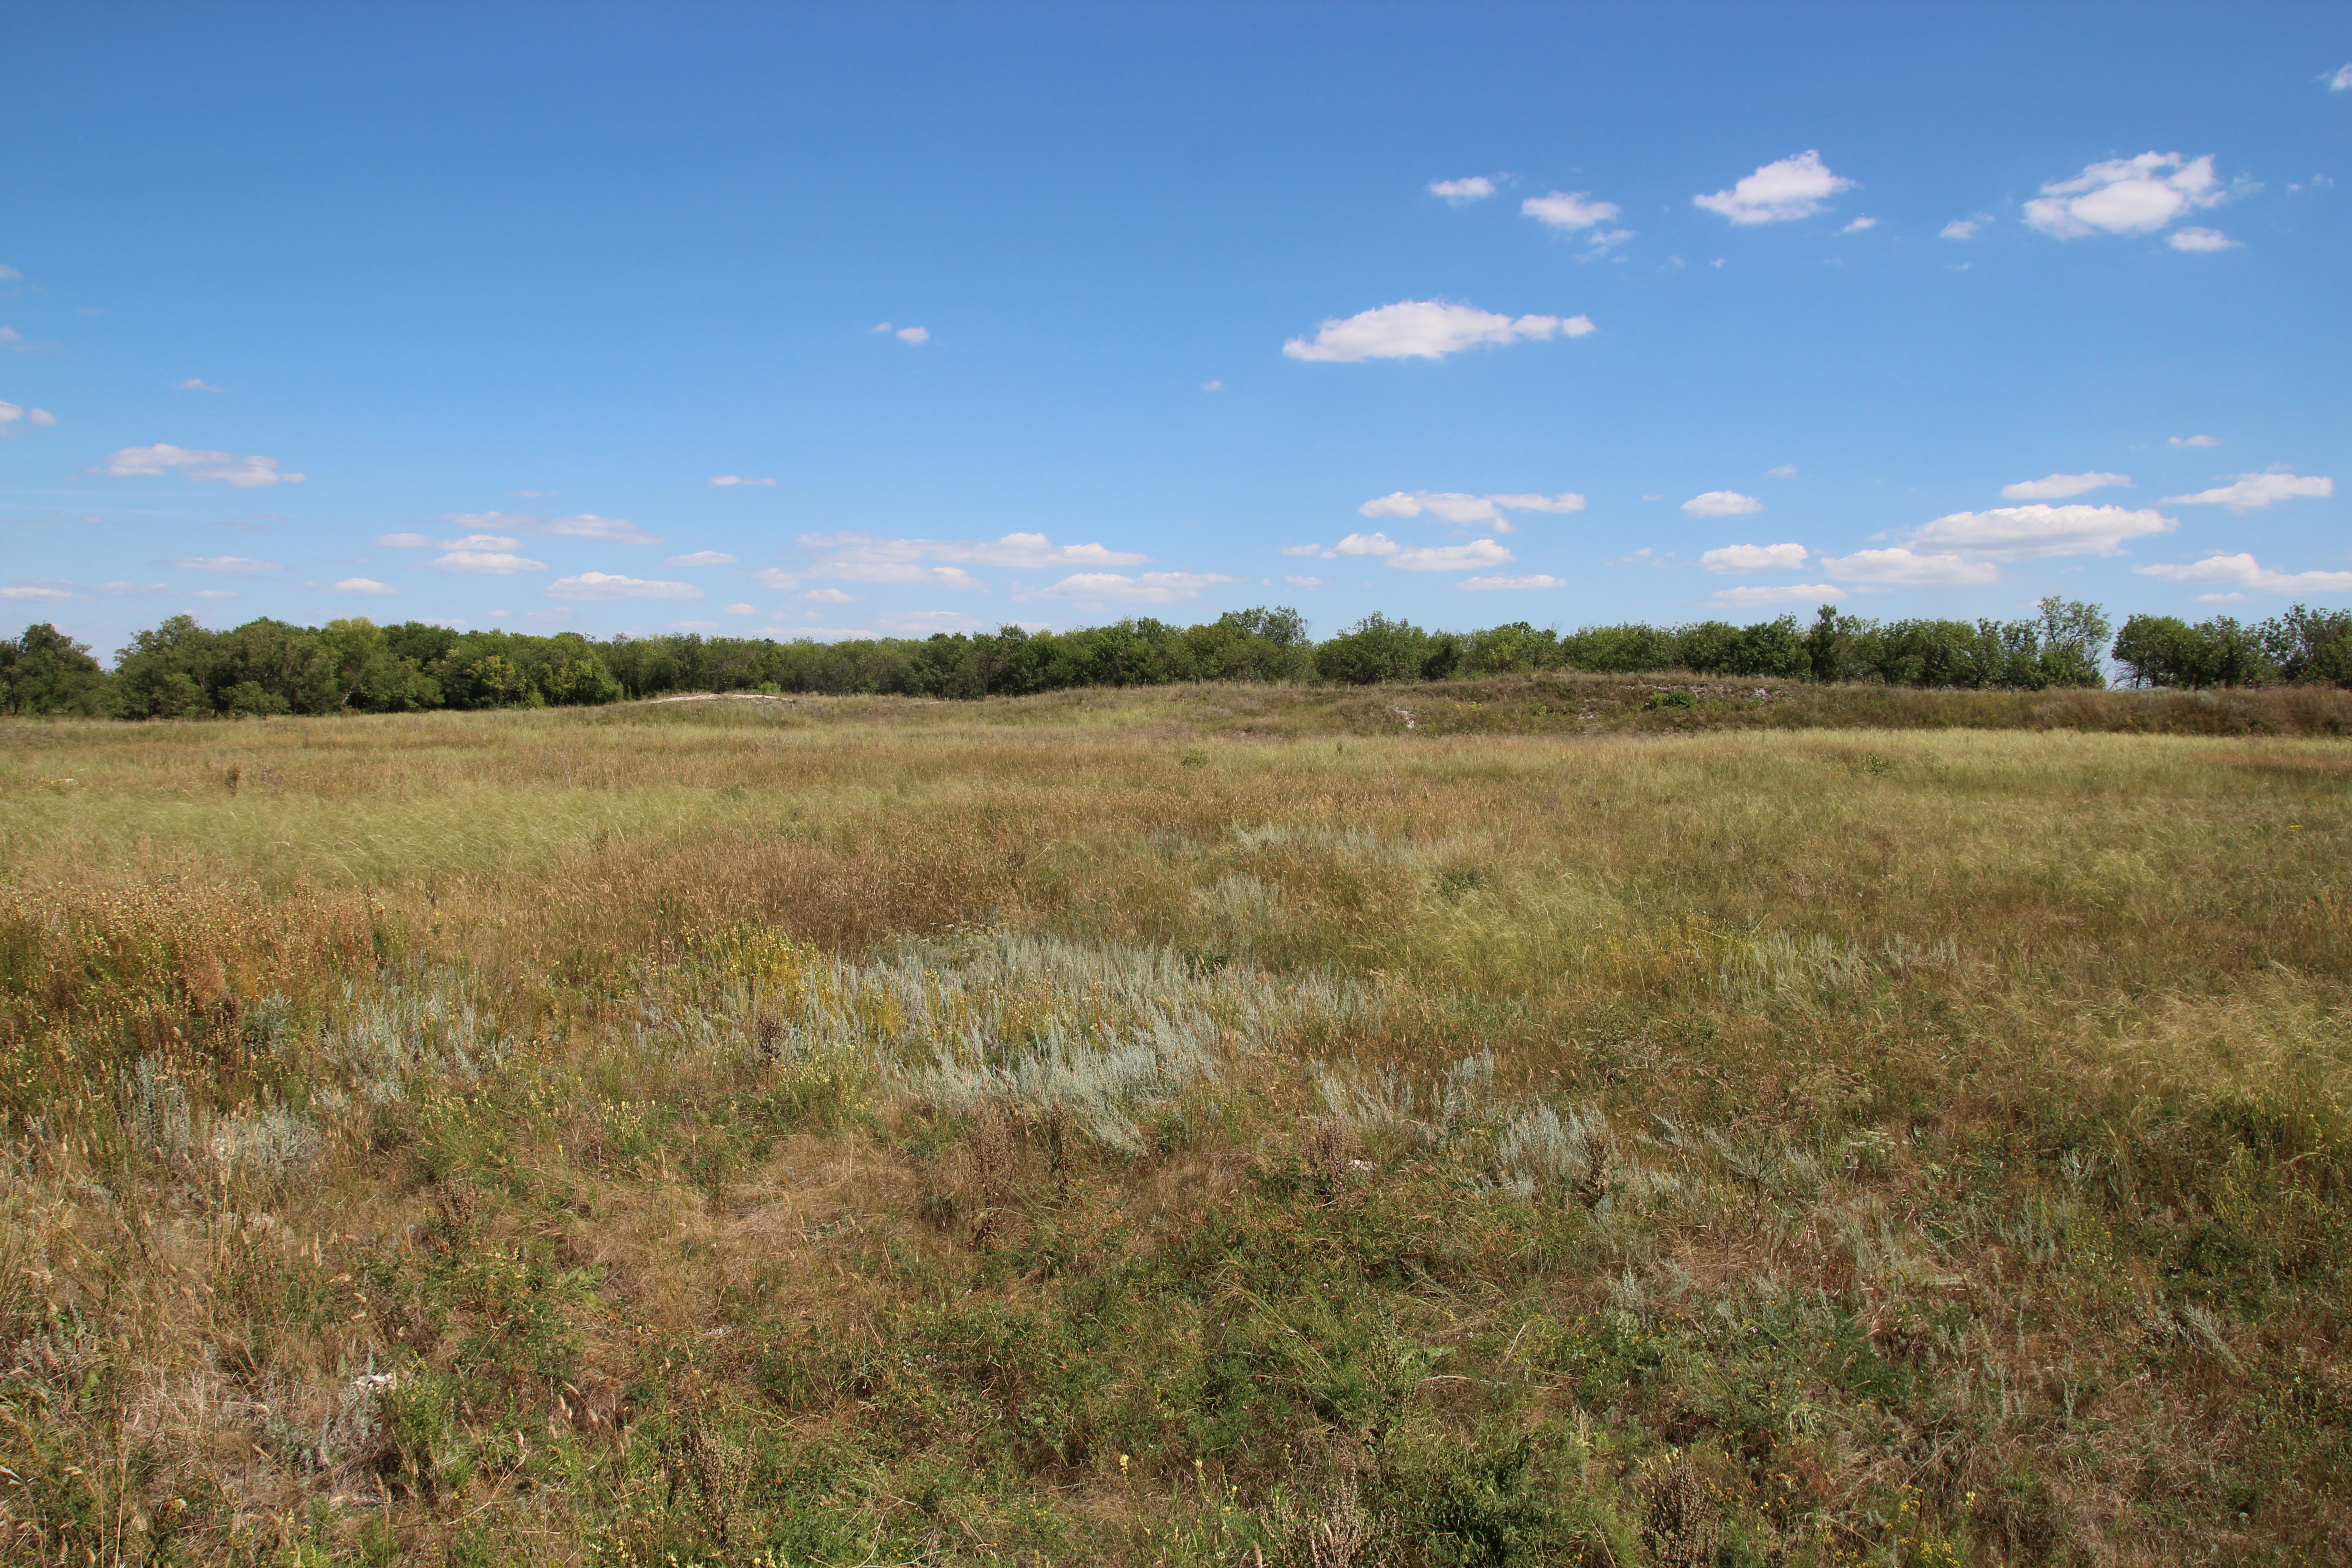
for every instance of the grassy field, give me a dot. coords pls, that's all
(1536, 1122)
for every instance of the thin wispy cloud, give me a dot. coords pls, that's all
(2242, 571)
(1498, 585)
(1425, 329)
(610, 586)
(728, 479)
(2251, 492)
(1722, 503)
(2185, 441)
(702, 558)
(1453, 557)
(1898, 567)
(193, 463)
(1148, 588)
(226, 563)
(2058, 487)
(1755, 558)
(1760, 598)
(1454, 505)
(484, 563)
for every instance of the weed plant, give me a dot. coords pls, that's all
(1208, 1125)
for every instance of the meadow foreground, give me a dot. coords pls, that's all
(1170, 1128)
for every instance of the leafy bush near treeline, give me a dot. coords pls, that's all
(181, 669)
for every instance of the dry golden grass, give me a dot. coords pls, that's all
(1111, 1127)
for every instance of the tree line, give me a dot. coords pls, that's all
(182, 670)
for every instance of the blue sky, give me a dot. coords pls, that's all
(1055, 315)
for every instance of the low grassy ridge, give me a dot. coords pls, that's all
(1210, 1125)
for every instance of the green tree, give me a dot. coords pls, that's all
(46, 672)
(165, 672)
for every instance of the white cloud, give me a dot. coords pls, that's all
(775, 577)
(2197, 240)
(925, 622)
(492, 521)
(480, 541)
(2125, 196)
(1785, 471)
(702, 558)
(404, 540)
(814, 634)
(1963, 228)
(194, 384)
(2058, 487)
(1859, 226)
(10, 275)
(1755, 558)
(2192, 440)
(1722, 503)
(1758, 597)
(213, 593)
(1021, 551)
(1790, 188)
(1424, 329)
(1462, 192)
(606, 586)
(742, 610)
(2243, 571)
(1364, 544)
(1570, 210)
(897, 572)
(1310, 584)
(2030, 533)
(588, 525)
(737, 480)
(1212, 386)
(363, 586)
(1900, 567)
(1302, 549)
(917, 335)
(1566, 501)
(484, 563)
(825, 596)
(11, 416)
(227, 564)
(222, 467)
(1452, 506)
(2342, 80)
(1452, 557)
(2252, 490)
(1148, 588)
(1539, 580)
(35, 592)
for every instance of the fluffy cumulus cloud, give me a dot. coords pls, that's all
(702, 558)
(363, 586)
(485, 563)
(2250, 491)
(1758, 598)
(1424, 329)
(1755, 558)
(1462, 192)
(606, 586)
(1452, 557)
(1498, 585)
(2125, 196)
(1364, 544)
(1454, 505)
(2058, 487)
(730, 479)
(1145, 588)
(1964, 228)
(1791, 188)
(219, 467)
(14, 418)
(1722, 503)
(2031, 533)
(2242, 571)
(1898, 567)
(480, 541)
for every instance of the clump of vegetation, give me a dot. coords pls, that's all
(264, 668)
(731, 1134)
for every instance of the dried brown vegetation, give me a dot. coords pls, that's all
(868, 1131)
